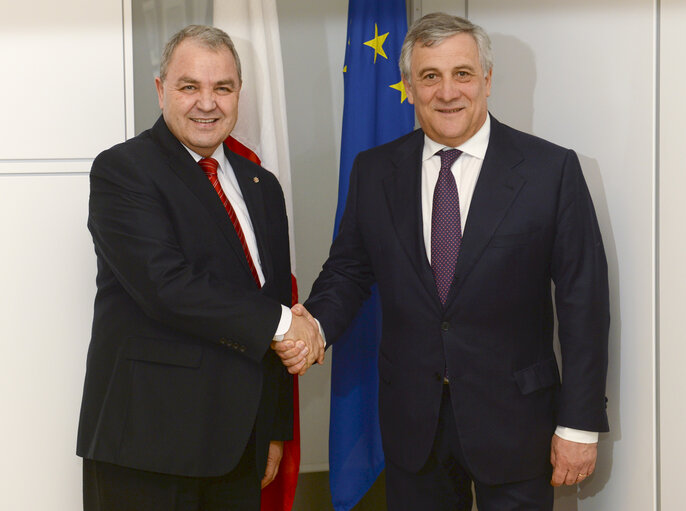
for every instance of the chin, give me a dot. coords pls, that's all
(207, 143)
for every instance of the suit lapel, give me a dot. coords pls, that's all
(189, 172)
(251, 189)
(496, 189)
(403, 194)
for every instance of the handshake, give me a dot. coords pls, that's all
(302, 345)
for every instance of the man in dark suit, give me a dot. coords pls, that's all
(184, 405)
(463, 225)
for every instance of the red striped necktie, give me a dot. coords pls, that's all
(209, 166)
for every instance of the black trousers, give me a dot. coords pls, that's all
(445, 483)
(108, 487)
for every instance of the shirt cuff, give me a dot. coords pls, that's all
(321, 331)
(577, 435)
(284, 323)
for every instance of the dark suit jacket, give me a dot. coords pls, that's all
(531, 221)
(179, 366)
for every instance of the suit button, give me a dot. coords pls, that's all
(242, 349)
(445, 326)
(438, 376)
(222, 341)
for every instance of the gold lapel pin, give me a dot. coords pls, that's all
(256, 179)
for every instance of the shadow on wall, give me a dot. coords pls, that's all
(513, 82)
(594, 179)
(512, 102)
(568, 498)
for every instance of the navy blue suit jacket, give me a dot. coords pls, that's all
(531, 223)
(179, 367)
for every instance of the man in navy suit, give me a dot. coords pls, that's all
(463, 225)
(185, 407)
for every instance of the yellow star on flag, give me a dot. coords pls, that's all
(400, 86)
(377, 43)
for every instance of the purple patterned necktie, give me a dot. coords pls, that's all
(446, 230)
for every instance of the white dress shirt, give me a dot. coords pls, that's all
(466, 170)
(229, 183)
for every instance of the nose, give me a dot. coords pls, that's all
(448, 90)
(206, 101)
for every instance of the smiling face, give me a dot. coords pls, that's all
(199, 95)
(448, 89)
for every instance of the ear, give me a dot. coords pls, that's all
(159, 85)
(408, 91)
(488, 82)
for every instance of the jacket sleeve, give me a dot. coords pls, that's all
(579, 271)
(283, 420)
(347, 275)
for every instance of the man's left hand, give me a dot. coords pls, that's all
(273, 460)
(572, 461)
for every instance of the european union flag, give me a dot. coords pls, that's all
(375, 111)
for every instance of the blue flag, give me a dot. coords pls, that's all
(375, 111)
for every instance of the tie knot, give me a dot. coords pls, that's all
(209, 166)
(448, 157)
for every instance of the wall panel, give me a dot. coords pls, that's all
(64, 97)
(47, 279)
(313, 49)
(672, 252)
(64, 102)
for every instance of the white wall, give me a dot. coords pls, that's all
(63, 102)
(582, 73)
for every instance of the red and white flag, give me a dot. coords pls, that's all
(261, 135)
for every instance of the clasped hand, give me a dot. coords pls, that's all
(302, 345)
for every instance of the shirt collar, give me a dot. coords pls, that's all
(218, 155)
(475, 146)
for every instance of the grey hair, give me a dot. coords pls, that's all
(210, 37)
(436, 27)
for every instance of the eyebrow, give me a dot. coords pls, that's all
(188, 79)
(466, 67)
